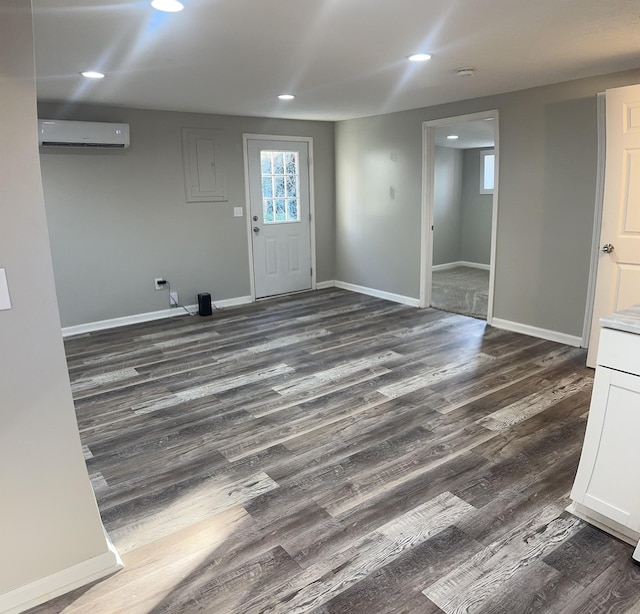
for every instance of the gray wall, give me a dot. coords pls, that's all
(547, 191)
(447, 205)
(118, 219)
(378, 185)
(49, 520)
(476, 213)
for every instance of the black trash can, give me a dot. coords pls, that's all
(204, 304)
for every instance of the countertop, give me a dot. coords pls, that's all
(627, 320)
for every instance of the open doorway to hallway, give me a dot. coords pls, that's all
(460, 168)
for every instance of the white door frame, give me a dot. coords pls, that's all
(312, 217)
(597, 217)
(428, 174)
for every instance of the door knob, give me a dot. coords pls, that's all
(607, 248)
(255, 218)
(256, 229)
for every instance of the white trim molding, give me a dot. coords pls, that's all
(90, 327)
(323, 285)
(597, 219)
(426, 214)
(534, 331)
(231, 302)
(389, 296)
(453, 265)
(428, 179)
(61, 582)
(607, 525)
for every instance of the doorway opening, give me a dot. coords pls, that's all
(460, 162)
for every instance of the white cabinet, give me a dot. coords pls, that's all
(606, 491)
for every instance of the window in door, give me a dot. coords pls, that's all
(280, 186)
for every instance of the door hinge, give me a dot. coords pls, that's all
(311, 271)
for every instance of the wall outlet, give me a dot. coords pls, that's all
(237, 212)
(173, 299)
(159, 286)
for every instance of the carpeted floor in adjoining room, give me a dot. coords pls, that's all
(463, 290)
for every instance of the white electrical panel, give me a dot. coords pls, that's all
(204, 172)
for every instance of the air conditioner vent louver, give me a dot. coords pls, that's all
(95, 135)
(85, 145)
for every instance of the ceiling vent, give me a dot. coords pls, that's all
(465, 72)
(97, 135)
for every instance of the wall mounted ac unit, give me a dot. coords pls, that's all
(59, 133)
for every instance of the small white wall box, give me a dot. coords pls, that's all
(97, 135)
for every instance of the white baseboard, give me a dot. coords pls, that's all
(232, 302)
(45, 589)
(453, 265)
(323, 285)
(602, 522)
(90, 327)
(389, 296)
(534, 331)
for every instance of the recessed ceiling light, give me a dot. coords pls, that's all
(92, 74)
(419, 57)
(453, 137)
(286, 96)
(168, 6)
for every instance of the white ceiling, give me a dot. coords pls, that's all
(471, 134)
(341, 58)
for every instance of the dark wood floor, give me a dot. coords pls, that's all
(332, 452)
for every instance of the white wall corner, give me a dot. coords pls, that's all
(389, 296)
(534, 331)
(62, 582)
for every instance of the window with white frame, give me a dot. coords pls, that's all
(487, 171)
(280, 186)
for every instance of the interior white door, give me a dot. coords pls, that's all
(618, 276)
(279, 209)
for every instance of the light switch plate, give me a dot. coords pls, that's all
(237, 212)
(5, 300)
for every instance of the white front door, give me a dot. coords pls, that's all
(618, 277)
(279, 197)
